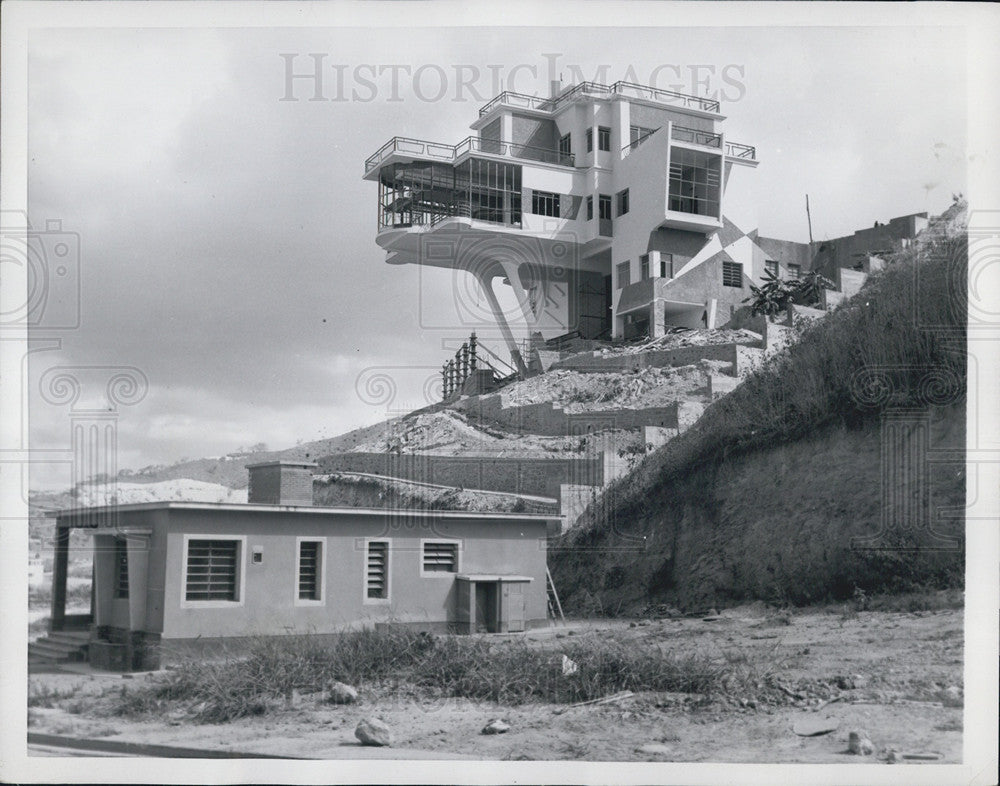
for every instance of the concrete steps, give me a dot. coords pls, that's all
(59, 647)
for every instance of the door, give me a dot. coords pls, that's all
(486, 607)
(512, 608)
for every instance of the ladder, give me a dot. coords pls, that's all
(553, 597)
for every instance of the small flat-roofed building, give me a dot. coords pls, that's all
(168, 574)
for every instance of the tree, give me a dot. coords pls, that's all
(771, 297)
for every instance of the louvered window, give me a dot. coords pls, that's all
(440, 557)
(309, 569)
(211, 570)
(377, 569)
(732, 274)
(121, 568)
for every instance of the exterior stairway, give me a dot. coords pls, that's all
(58, 647)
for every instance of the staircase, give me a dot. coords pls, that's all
(58, 647)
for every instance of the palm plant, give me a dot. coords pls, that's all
(771, 297)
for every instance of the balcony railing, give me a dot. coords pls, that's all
(695, 137)
(636, 142)
(736, 150)
(627, 89)
(450, 153)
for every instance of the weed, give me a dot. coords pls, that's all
(46, 696)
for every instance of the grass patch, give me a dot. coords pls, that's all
(48, 697)
(504, 671)
(927, 600)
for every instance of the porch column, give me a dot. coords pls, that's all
(60, 564)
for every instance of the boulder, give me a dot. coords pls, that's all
(372, 731)
(496, 726)
(339, 693)
(859, 744)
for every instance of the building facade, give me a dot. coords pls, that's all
(613, 211)
(167, 574)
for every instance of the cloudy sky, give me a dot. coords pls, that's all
(227, 238)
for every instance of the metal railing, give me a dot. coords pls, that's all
(695, 137)
(736, 150)
(636, 142)
(419, 148)
(627, 89)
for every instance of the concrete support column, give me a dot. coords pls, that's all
(486, 282)
(60, 564)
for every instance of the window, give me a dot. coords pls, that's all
(212, 570)
(565, 146)
(121, 568)
(644, 267)
(666, 265)
(544, 203)
(604, 206)
(695, 182)
(440, 557)
(771, 266)
(795, 272)
(590, 140)
(732, 274)
(590, 208)
(623, 275)
(638, 133)
(623, 202)
(310, 572)
(377, 570)
(603, 138)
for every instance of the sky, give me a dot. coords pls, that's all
(227, 239)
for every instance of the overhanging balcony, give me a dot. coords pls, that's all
(409, 149)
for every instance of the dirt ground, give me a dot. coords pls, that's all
(895, 675)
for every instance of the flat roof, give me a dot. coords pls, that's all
(282, 463)
(304, 509)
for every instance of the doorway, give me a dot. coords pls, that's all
(487, 607)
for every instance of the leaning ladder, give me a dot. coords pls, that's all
(553, 596)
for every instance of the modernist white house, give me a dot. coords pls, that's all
(610, 210)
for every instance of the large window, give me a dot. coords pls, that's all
(544, 203)
(622, 274)
(604, 206)
(565, 146)
(623, 202)
(213, 569)
(732, 274)
(121, 568)
(603, 138)
(310, 572)
(377, 570)
(695, 182)
(795, 272)
(439, 557)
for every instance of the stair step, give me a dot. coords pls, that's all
(62, 646)
(75, 638)
(47, 649)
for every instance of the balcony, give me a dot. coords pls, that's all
(596, 90)
(742, 152)
(695, 137)
(436, 151)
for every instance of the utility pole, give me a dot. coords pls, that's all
(809, 219)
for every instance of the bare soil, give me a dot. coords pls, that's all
(897, 676)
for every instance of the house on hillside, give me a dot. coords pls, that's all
(613, 211)
(168, 575)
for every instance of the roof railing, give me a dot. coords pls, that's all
(736, 150)
(449, 153)
(695, 137)
(629, 89)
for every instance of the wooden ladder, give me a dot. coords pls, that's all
(553, 597)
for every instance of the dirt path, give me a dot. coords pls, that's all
(895, 675)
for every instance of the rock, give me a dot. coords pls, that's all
(372, 731)
(496, 726)
(339, 693)
(654, 748)
(859, 744)
(860, 681)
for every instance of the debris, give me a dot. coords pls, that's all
(859, 744)
(923, 756)
(569, 666)
(372, 731)
(496, 726)
(625, 694)
(342, 694)
(822, 704)
(814, 727)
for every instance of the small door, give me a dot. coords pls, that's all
(512, 608)
(486, 607)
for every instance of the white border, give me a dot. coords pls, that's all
(440, 574)
(365, 600)
(321, 600)
(241, 579)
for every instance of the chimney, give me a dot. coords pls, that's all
(555, 87)
(281, 483)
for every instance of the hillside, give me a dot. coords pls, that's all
(762, 496)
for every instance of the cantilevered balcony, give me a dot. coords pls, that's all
(734, 150)
(590, 90)
(404, 148)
